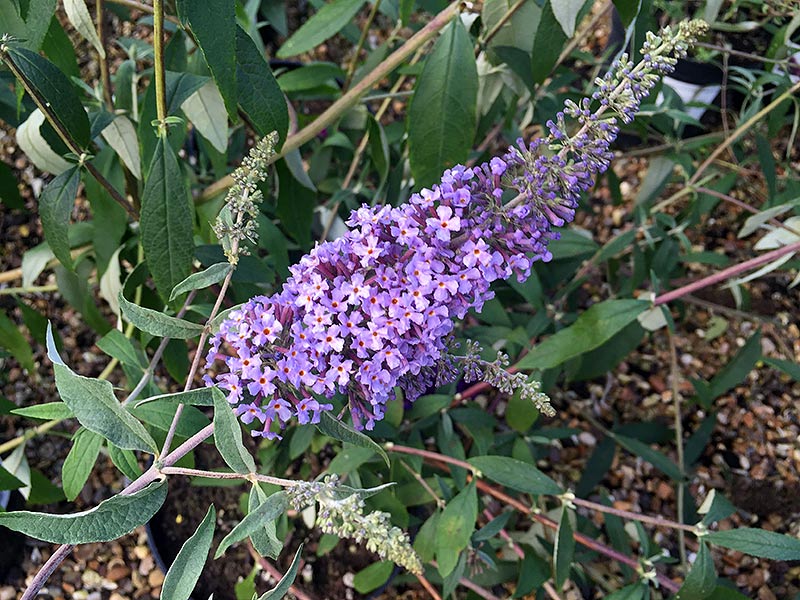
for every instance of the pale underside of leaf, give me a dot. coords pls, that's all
(205, 108)
(35, 147)
(121, 136)
(81, 20)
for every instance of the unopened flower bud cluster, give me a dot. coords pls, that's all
(343, 515)
(496, 374)
(237, 219)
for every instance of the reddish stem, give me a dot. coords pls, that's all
(726, 274)
(579, 537)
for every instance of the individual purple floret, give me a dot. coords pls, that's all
(375, 309)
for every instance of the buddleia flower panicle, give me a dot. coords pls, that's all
(237, 219)
(374, 310)
(340, 512)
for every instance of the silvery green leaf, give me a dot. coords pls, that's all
(206, 110)
(652, 319)
(121, 136)
(566, 13)
(35, 147)
(17, 464)
(157, 323)
(197, 281)
(112, 518)
(228, 436)
(757, 220)
(269, 510)
(79, 462)
(515, 474)
(280, 590)
(125, 461)
(34, 262)
(757, 542)
(564, 549)
(516, 31)
(196, 397)
(46, 412)
(95, 406)
(779, 236)
(768, 268)
(81, 20)
(265, 540)
(327, 22)
(111, 283)
(185, 570)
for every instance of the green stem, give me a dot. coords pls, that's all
(676, 402)
(105, 80)
(158, 67)
(351, 69)
(223, 475)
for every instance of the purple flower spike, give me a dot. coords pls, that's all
(373, 310)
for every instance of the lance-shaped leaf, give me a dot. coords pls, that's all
(109, 520)
(157, 323)
(197, 397)
(592, 329)
(182, 576)
(564, 549)
(11, 339)
(55, 207)
(32, 143)
(757, 542)
(206, 110)
(125, 461)
(265, 540)
(93, 403)
(702, 579)
(53, 87)
(280, 590)
(197, 281)
(566, 13)
(46, 412)
(455, 527)
(228, 436)
(213, 24)
(515, 474)
(344, 433)
(79, 462)
(548, 41)
(442, 115)
(259, 94)
(121, 136)
(270, 510)
(81, 20)
(166, 220)
(330, 19)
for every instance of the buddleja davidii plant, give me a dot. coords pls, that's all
(447, 222)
